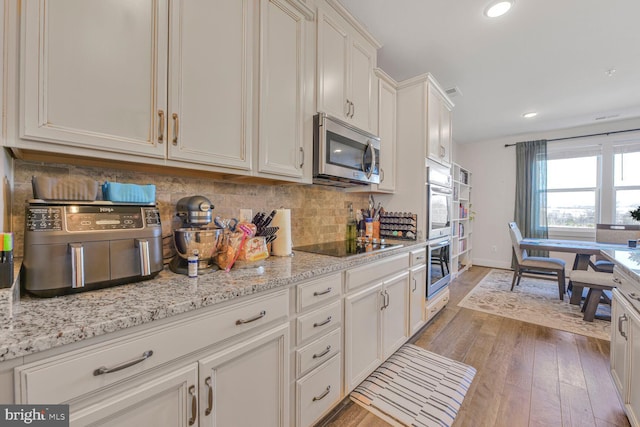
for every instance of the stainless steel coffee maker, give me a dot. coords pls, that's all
(195, 237)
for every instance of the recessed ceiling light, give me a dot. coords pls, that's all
(498, 8)
(529, 115)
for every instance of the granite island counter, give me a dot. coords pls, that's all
(40, 324)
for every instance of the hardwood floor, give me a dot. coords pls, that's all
(528, 375)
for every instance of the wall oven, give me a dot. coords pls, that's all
(439, 201)
(438, 272)
(344, 155)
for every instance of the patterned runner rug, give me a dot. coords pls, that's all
(415, 387)
(533, 301)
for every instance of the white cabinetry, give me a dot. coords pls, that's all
(417, 291)
(346, 60)
(376, 317)
(462, 221)
(189, 83)
(439, 108)
(182, 374)
(625, 347)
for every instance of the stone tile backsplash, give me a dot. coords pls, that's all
(318, 214)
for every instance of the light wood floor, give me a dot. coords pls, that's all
(528, 375)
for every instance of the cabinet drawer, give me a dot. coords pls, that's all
(436, 304)
(317, 291)
(67, 376)
(318, 321)
(372, 272)
(418, 256)
(317, 392)
(313, 354)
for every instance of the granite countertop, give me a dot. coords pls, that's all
(40, 324)
(627, 260)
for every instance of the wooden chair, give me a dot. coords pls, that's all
(535, 265)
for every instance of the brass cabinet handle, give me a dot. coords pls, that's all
(104, 370)
(176, 123)
(302, 157)
(326, 291)
(318, 355)
(323, 395)
(194, 405)
(324, 322)
(161, 127)
(251, 319)
(621, 319)
(210, 396)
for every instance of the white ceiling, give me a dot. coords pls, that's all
(549, 56)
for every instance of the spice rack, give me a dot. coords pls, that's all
(398, 225)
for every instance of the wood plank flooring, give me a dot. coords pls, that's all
(528, 375)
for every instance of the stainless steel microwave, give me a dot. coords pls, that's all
(344, 155)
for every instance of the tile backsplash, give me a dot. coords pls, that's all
(318, 214)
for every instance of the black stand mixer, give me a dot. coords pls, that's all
(195, 238)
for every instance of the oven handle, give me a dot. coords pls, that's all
(438, 189)
(439, 244)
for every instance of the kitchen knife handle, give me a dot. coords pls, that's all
(143, 250)
(77, 265)
(161, 127)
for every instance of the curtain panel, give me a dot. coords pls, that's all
(531, 190)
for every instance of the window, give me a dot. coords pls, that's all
(626, 185)
(572, 185)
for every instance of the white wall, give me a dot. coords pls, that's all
(493, 187)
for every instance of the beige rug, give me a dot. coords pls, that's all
(534, 301)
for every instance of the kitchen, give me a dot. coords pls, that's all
(247, 178)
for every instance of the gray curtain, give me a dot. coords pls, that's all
(531, 190)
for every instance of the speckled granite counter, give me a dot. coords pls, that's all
(40, 324)
(627, 260)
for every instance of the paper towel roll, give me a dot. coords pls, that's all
(282, 245)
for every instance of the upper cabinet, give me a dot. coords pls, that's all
(220, 86)
(94, 75)
(439, 108)
(387, 131)
(346, 61)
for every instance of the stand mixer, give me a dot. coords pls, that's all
(195, 237)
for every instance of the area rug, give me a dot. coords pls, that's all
(415, 387)
(533, 301)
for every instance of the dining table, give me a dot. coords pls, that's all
(582, 249)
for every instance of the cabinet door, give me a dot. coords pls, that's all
(94, 74)
(387, 134)
(163, 401)
(333, 51)
(362, 334)
(633, 406)
(417, 298)
(445, 133)
(395, 314)
(434, 109)
(211, 82)
(619, 337)
(247, 384)
(282, 43)
(362, 61)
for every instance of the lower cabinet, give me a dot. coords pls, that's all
(375, 326)
(417, 297)
(246, 384)
(625, 355)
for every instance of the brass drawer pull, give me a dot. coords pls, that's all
(251, 319)
(176, 124)
(326, 291)
(210, 396)
(323, 395)
(194, 405)
(324, 322)
(104, 370)
(160, 127)
(327, 350)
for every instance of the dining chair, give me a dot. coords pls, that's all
(533, 264)
(613, 233)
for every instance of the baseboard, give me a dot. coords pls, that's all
(492, 263)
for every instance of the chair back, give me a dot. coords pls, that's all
(516, 238)
(617, 233)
